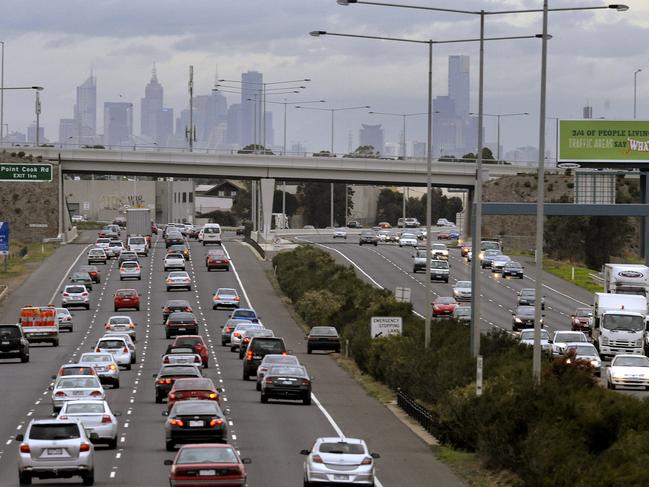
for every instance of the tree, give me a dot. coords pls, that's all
(241, 203)
(487, 156)
(364, 151)
(255, 149)
(389, 206)
(291, 203)
(317, 203)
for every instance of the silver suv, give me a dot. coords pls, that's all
(53, 448)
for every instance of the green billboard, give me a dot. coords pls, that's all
(598, 142)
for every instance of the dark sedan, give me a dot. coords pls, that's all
(174, 305)
(165, 378)
(181, 323)
(286, 382)
(368, 237)
(195, 421)
(513, 269)
(323, 338)
(523, 318)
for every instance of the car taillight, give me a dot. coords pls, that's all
(269, 381)
(106, 419)
(97, 349)
(216, 422)
(112, 366)
(177, 422)
(171, 396)
(62, 417)
(24, 448)
(306, 382)
(246, 340)
(95, 393)
(227, 328)
(284, 353)
(237, 299)
(367, 461)
(85, 293)
(131, 326)
(197, 359)
(59, 394)
(84, 447)
(66, 294)
(213, 395)
(107, 326)
(249, 356)
(238, 335)
(165, 360)
(125, 349)
(317, 459)
(188, 309)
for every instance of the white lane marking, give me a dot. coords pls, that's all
(236, 274)
(65, 276)
(558, 292)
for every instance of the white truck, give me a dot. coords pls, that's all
(619, 323)
(626, 279)
(138, 224)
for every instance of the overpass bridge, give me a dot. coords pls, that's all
(269, 168)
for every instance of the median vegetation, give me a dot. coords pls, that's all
(568, 431)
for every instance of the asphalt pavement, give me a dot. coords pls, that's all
(271, 434)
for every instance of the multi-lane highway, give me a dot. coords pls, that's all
(271, 434)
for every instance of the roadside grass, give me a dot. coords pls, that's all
(89, 225)
(31, 254)
(563, 270)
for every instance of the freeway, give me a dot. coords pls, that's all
(271, 434)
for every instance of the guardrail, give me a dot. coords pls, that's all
(256, 246)
(596, 278)
(415, 411)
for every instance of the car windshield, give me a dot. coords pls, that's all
(102, 240)
(96, 252)
(244, 313)
(96, 358)
(119, 320)
(136, 241)
(324, 330)
(570, 337)
(197, 407)
(527, 311)
(178, 274)
(463, 284)
(624, 322)
(188, 341)
(81, 408)
(486, 245)
(211, 230)
(181, 351)
(367, 233)
(75, 289)
(529, 335)
(54, 431)
(9, 332)
(81, 275)
(77, 382)
(438, 247)
(462, 311)
(584, 313)
(286, 370)
(444, 301)
(513, 265)
(342, 448)
(491, 253)
(407, 235)
(174, 303)
(111, 344)
(130, 265)
(126, 292)
(437, 264)
(268, 346)
(227, 292)
(527, 292)
(638, 361)
(175, 256)
(76, 370)
(169, 370)
(191, 456)
(182, 317)
(585, 350)
(200, 384)
(284, 359)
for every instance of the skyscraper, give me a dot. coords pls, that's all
(372, 135)
(67, 130)
(118, 123)
(150, 106)
(234, 124)
(268, 125)
(251, 87)
(85, 110)
(459, 84)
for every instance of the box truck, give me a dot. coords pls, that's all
(138, 229)
(619, 323)
(626, 279)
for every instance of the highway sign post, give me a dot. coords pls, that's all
(4, 242)
(19, 172)
(402, 294)
(383, 326)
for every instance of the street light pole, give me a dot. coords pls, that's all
(429, 184)
(37, 107)
(2, 93)
(498, 116)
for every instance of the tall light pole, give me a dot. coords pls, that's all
(37, 105)
(429, 157)
(477, 233)
(635, 90)
(498, 116)
(190, 132)
(37, 110)
(331, 151)
(403, 146)
(2, 93)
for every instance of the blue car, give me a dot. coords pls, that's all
(245, 314)
(454, 235)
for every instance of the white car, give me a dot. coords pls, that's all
(65, 319)
(498, 262)
(75, 295)
(77, 218)
(102, 243)
(138, 244)
(178, 280)
(561, 337)
(237, 334)
(200, 235)
(340, 233)
(105, 366)
(527, 338)
(130, 270)
(117, 347)
(339, 460)
(439, 251)
(407, 240)
(628, 370)
(75, 387)
(183, 356)
(96, 416)
(174, 261)
(122, 324)
(462, 291)
(586, 352)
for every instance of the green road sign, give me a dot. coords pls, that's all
(25, 172)
(619, 142)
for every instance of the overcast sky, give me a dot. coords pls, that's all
(592, 57)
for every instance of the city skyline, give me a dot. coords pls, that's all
(120, 49)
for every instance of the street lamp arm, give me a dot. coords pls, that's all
(418, 7)
(319, 33)
(399, 114)
(294, 102)
(36, 88)
(262, 83)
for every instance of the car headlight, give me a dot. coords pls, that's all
(595, 363)
(638, 342)
(518, 320)
(604, 340)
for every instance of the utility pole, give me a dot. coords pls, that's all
(190, 132)
(38, 116)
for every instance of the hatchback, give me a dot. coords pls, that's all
(444, 306)
(130, 270)
(166, 377)
(226, 297)
(104, 366)
(178, 280)
(126, 298)
(75, 387)
(117, 347)
(82, 278)
(75, 295)
(174, 261)
(127, 256)
(323, 338)
(200, 388)
(53, 448)
(339, 461)
(181, 323)
(96, 416)
(123, 324)
(97, 255)
(215, 464)
(195, 421)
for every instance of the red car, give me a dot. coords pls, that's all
(216, 259)
(582, 320)
(126, 298)
(199, 388)
(207, 464)
(197, 344)
(443, 236)
(444, 306)
(466, 248)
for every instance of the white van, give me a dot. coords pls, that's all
(211, 234)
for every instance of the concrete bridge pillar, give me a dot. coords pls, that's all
(267, 193)
(468, 216)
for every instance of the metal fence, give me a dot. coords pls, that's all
(415, 411)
